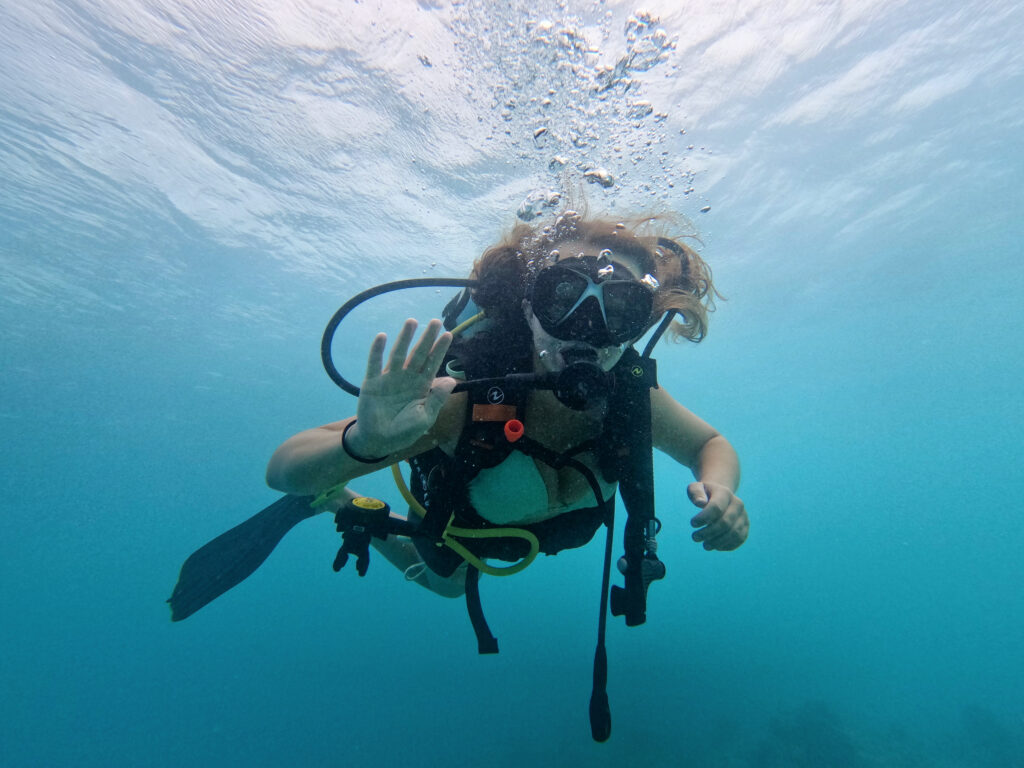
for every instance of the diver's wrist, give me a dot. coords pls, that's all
(353, 452)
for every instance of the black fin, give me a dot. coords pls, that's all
(233, 556)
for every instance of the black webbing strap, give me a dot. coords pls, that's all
(636, 486)
(486, 642)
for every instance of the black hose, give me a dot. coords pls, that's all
(662, 327)
(355, 301)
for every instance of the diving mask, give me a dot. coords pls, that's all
(583, 299)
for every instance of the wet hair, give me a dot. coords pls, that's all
(506, 270)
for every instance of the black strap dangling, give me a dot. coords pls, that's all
(485, 641)
(600, 709)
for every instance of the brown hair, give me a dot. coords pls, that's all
(505, 270)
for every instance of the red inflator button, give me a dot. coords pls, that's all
(513, 430)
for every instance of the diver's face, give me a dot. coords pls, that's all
(550, 354)
(553, 354)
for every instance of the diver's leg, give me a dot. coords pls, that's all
(401, 553)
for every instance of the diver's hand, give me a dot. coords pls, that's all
(399, 402)
(722, 520)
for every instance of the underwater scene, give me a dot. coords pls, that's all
(189, 190)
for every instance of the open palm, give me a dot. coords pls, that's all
(399, 401)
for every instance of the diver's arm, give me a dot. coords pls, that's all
(315, 459)
(692, 441)
(722, 522)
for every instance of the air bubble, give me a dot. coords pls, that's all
(639, 110)
(650, 281)
(599, 176)
(533, 204)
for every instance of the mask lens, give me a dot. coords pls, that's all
(556, 293)
(627, 308)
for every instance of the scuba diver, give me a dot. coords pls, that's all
(520, 416)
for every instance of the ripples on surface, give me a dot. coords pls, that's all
(285, 129)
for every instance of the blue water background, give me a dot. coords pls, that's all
(176, 229)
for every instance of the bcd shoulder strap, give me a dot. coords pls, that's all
(628, 455)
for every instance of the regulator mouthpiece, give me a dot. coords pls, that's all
(583, 383)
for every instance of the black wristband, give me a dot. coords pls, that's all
(348, 451)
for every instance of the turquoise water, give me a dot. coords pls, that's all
(189, 191)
